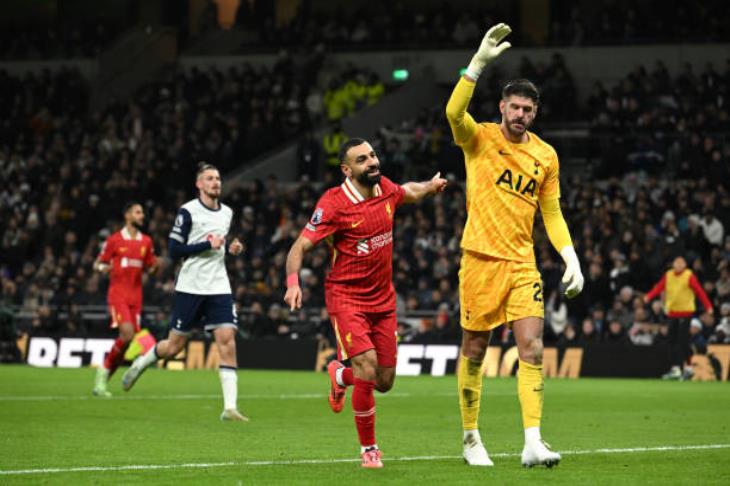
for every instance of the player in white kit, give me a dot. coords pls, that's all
(202, 290)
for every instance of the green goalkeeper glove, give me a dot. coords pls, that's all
(489, 49)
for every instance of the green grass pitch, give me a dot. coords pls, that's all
(166, 431)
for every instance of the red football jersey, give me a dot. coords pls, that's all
(360, 233)
(128, 258)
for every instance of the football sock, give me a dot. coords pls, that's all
(530, 389)
(363, 405)
(115, 356)
(469, 381)
(229, 384)
(344, 377)
(149, 357)
(472, 434)
(532, 434)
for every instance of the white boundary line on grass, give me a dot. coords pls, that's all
(298, 462)
(272, 396)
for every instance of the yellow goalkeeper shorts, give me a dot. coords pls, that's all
(493, 291)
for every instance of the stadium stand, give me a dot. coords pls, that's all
(32, 41)
(442, 25)
(68, 171)
(66, 183)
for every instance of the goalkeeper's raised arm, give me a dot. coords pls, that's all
(462, 124)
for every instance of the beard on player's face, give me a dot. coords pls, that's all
(519, 124)
(213, 192)
(370, 176)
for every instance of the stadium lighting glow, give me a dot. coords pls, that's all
(400, 74)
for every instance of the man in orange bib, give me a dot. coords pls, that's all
(680, 287)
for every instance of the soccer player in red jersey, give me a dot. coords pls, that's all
(357, 220)
(125, 255)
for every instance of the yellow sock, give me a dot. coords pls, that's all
(469, 380)
(531, 389)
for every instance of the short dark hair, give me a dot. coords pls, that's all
(203, 166)
(129, 205)
(353, 142)
(521, 87)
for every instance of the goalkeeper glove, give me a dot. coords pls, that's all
(572, 277)
(489, 50)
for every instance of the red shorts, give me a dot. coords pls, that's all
(122, 312)
(358, 332)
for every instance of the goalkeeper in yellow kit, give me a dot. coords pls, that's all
(510, 172)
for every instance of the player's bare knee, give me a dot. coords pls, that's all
(126, 335)
(532, 352)
(383, 385)
(474, 350)
(536, 346)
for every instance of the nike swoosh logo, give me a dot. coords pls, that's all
(358, 223)
(503, 152)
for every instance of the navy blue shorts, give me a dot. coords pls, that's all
(207, 311)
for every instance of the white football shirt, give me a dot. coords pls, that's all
(203, 273)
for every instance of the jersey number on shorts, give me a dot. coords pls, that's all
(537, 296)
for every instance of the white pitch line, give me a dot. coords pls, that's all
(285, 396)
(300, 462)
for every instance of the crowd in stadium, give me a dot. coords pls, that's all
(391, 24)
(33, 41)
(69, 174)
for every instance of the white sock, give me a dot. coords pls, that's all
(364, 448)
(338, 376)
(149, 357)
(473, 433)
(229, 384)
(532, 434)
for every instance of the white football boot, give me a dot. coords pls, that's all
(233, 415)
(538, 453)
(102, 377)
(475, 454)
(133, 373)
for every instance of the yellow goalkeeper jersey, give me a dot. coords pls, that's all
(504, 182)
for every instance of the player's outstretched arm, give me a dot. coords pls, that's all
(656, 290)
(462, 124)
(293, 297)
(559, 235)
(415, 191)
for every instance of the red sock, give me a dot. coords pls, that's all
(347, 377)
(115, 356)
(363, 404)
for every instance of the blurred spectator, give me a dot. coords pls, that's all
(616, 333)
(697, 340)
(680, 287)
(588, 334)
(569, 336)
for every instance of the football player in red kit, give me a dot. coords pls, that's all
(357, 220)
(125, 255)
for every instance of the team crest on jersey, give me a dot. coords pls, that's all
(317, 216)
(179, 220)
(362, 247)
(143, 250)
(388, 210)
